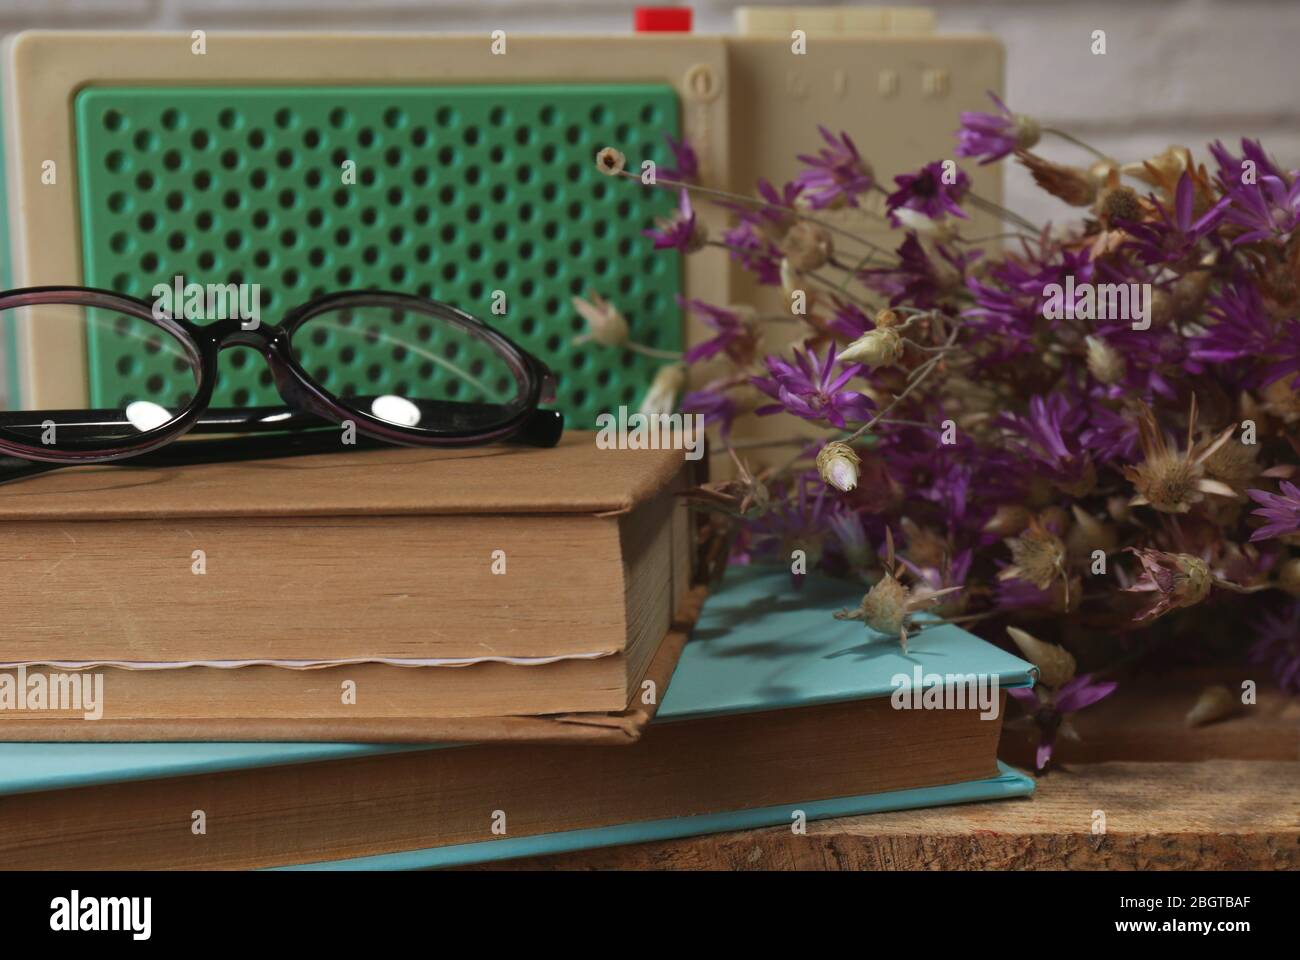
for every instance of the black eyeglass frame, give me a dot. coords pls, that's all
(308, 403)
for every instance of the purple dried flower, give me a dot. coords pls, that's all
(777, 209)
(734, 337)
(1280, 512)
(994, 135)
(1242, 329)
(1269, 205)
(1111, 436)
(1154, 360)
(849, 320)
(1050, 709)
(784, 200)
(679, 232)
(926, 192)
(796, 521)
(759, 256)
(1271, 210)
(1277, 644)
(846, 527)
(1240, 325)
(953, 572)
(1014, 595)
(1010, 301)
(810, 388)
(1175, 239)
(686, 164)
(963, 480)
(716, 406)
(1050, 435)
(836, 174)
(1231, 168)
(919, 280)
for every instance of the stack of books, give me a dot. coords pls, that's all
(390, 595)
(552, 706)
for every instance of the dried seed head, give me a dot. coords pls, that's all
(1056, 665)
(1163, 308)
(1089, 534)
(605, 325)
(1176, 579)
(807, 246)
(662, 395)
(925, 546)
(610, 162)
(1119, 509)
(881, 347)
(1233, 463)
(1008, 520)
(1083, 484)
(885, 607)
(1171, 480)
(790, 281)
(1119, 203)
(1214, 703)
(1281, 401)
(838, 465)
(1168, 482)
(1028, 131)
(1104, 361)
(1165, 167)
(1054, 519)
(1037, 555)
(1070, 184)
(1104, 173)
(1194, 579)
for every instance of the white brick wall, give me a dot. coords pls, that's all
(1175, 71)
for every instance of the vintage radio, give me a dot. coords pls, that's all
(135, 158)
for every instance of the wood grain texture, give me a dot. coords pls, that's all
(1220, 814)
(1145, 722)
(1222, 796)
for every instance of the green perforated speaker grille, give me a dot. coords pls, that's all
(458, 192)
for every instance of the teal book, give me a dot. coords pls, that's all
(776, 712)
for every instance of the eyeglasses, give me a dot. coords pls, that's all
(382, 368)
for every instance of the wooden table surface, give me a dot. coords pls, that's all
(1225, 796)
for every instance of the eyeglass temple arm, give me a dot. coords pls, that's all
(542, 428)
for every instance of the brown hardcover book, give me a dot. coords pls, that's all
(395, 594)
(435, 798)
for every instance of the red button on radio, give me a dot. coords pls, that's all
(662, 20)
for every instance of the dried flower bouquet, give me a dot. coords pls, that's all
(1084, 439)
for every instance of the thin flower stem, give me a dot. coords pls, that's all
(852, 274)
(751, 201)
(1069, 138)
(891, 422)
(1012, 235)
(924, 348)
(760, 444)
(654, 352)
(836, 289)
(810, 275)
(1010, 216)
(927, 368)
(924, 370)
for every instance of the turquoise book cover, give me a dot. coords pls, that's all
(759, 645)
